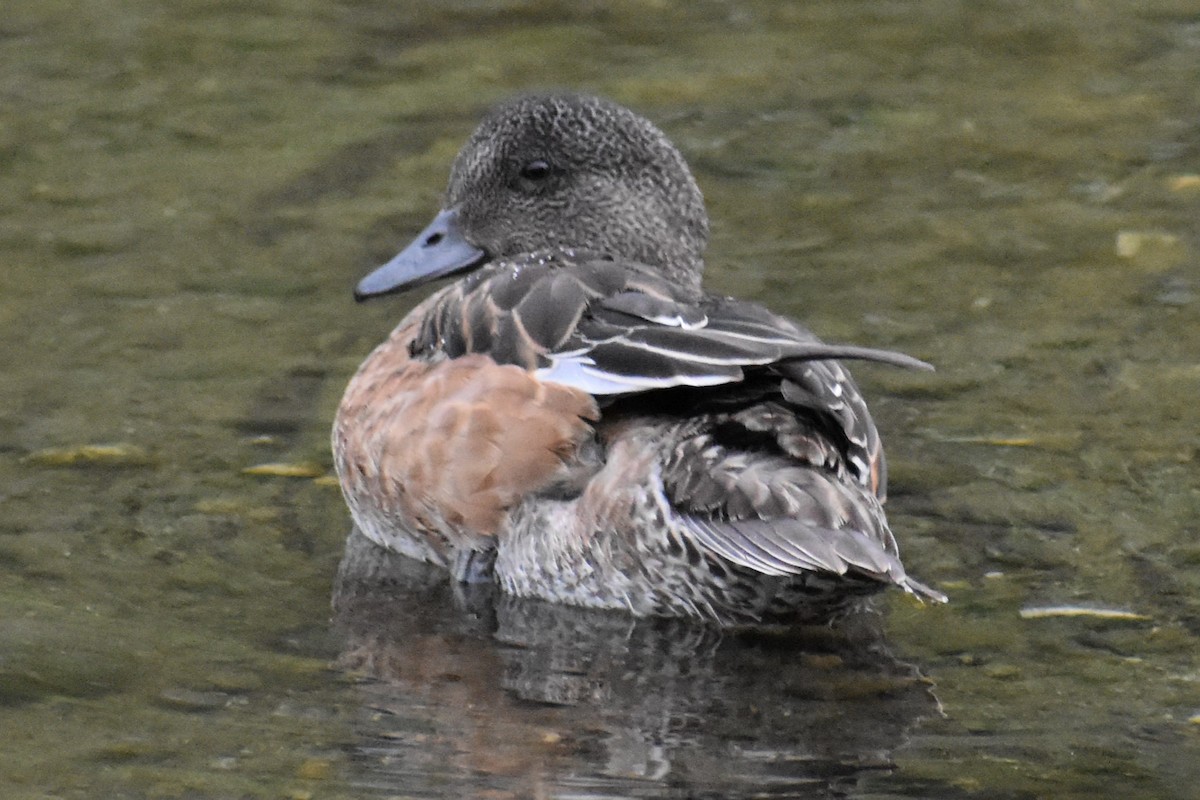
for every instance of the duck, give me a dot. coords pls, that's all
(573, 418)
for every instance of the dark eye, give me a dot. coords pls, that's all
(536, 170)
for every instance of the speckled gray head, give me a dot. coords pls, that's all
(560, 170)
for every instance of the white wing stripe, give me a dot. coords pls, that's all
(578, 371)
(699, 358)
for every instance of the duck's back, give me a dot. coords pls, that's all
(741, 501)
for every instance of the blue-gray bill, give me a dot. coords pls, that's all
(437, 252)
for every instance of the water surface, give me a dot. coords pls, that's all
(187, 193)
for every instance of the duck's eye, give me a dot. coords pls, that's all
(536, 170)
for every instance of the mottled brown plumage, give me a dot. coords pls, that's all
(578, 410)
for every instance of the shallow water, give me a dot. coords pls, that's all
(187, 193)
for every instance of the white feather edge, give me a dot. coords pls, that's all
(577, 370)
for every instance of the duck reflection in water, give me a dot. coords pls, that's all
(468, 692)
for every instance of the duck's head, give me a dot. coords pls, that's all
(559, 171)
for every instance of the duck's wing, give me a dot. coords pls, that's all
(789, 547)
(774, 488)
(611, 328)
(637, 340)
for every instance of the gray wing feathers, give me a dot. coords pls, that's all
(618, 330)
(779, 514)
(789, 547)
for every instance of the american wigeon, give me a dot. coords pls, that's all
(575, 419)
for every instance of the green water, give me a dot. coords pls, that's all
(189, 190)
